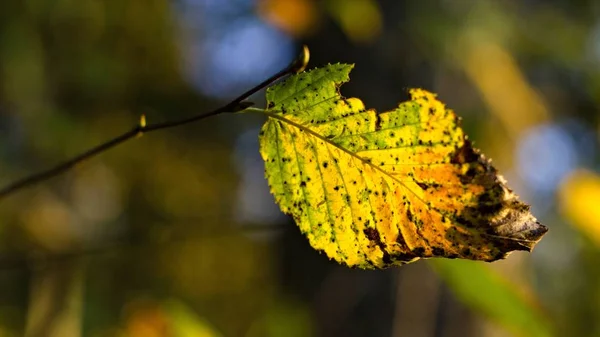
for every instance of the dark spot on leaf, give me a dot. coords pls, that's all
(438, 251)
(466, 252)
(422, 185)
(466, 154)
(377, 121)
(468, 177)
(373, 235)
(419, 251)
(489, 209)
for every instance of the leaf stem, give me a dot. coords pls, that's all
(238, 104)
(254, 110)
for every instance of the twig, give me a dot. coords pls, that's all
(236, 105)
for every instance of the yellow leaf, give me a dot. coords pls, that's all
(379, 189)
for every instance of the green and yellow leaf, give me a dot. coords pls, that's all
(378, 189)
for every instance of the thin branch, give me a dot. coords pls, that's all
(236, 105)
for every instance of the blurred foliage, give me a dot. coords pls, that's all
(174, 233)
(490, 295)
(579, 195)
(170, 318)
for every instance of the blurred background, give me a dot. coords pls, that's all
(176, 234)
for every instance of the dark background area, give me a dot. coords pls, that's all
(175, 233)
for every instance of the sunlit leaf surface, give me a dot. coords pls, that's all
(376, 189)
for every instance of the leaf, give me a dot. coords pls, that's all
(377, 189)
(488, 293)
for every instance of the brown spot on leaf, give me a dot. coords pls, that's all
(419, 251)
(373, 235)
(466, 154)
(409, 215)
(438, 251)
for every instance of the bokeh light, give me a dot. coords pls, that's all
(156, 235)
(546, 153)
(231, 49)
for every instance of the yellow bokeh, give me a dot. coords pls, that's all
(360, 20)
(579, 197)
(170, 318)
(296, 17)
(504, 88)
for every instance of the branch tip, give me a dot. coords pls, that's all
(302, 61)
(141, 126)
